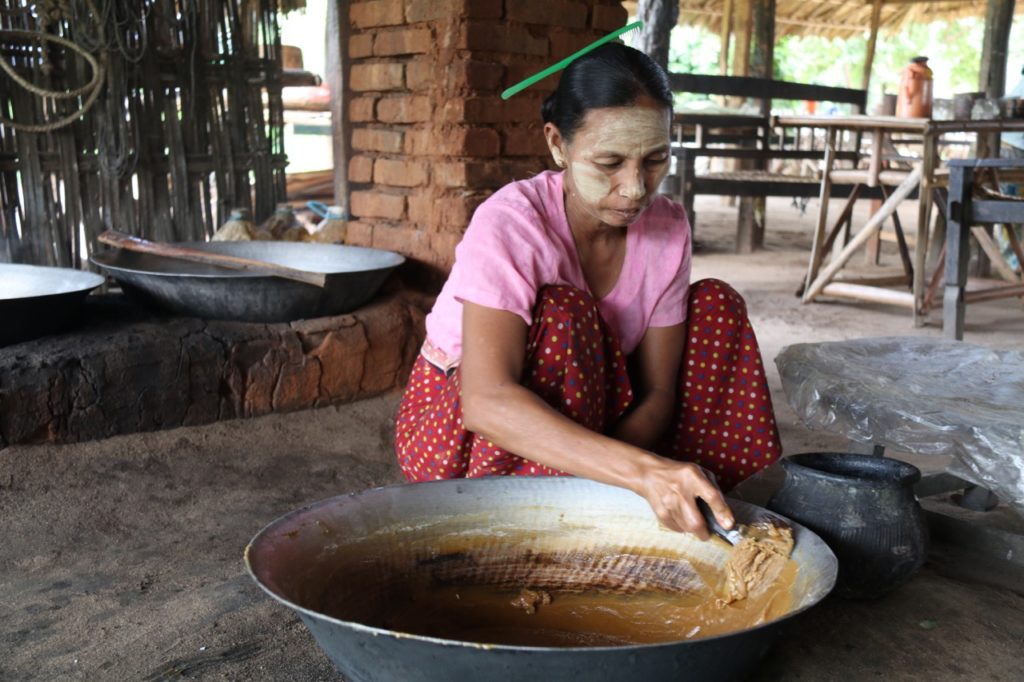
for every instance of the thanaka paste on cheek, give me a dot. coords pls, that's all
(591, 184)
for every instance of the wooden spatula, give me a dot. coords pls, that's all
(130, 243)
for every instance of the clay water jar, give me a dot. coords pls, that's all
(865, 509)
(914, 99)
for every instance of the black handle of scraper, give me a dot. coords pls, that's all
(732, 537)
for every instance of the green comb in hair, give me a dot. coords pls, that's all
(522, 85)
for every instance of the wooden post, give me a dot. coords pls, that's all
(761, 36)
(659, 17)
(869, 58)
(961, 180)
(743, 20)
(725, 31)
(338, 32)
(871, 255)
(998, 19)
(762, 57)
(818, 240)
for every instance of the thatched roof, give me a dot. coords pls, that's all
(836, 18)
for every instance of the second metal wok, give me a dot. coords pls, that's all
(354, 274)
(37, 300)
(359, 546)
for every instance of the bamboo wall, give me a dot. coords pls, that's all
(187, 125)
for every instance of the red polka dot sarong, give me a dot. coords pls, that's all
(725, 420)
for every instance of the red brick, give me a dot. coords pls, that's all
(525, 141)
(379, 76)
(430, 10)
(515, 73)
(608, 17)
(444, 213)
(360, 45)
(565, 42)
(359, 233)
(360, 169)
(421, 75)
(404, 109)
(375, 140)
(399, 173)
(490, 36)
(519, 109)
(376, 13)
(442, 245)
(420, 206)
(377, 204)
(458, 141)
(406, 41)
(482, 9)
(475, 75)
(405, 240)
(483, 174)
(454, 212)
(553, 12)
(361, 109)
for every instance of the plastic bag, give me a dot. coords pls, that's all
(921, 395)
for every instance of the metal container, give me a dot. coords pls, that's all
(354, 274)
(506, 525)
(37, 300)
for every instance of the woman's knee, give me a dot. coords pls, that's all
(563, 301)
(711, 295)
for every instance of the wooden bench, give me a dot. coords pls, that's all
(749, 137)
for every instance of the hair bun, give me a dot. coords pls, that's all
(547, 109)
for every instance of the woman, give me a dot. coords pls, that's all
(568, 331)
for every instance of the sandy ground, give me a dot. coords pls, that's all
(122, 559)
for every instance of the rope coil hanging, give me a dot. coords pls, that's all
(48, 10)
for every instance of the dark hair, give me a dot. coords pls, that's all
(613, 75)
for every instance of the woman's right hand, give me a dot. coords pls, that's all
(671, 488)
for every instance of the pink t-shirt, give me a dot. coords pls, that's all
(519, 241)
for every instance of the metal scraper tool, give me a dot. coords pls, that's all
(733, 536)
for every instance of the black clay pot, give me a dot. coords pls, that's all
(865, 509)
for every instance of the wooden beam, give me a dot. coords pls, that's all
(873, 224)
(994, 293)
(810, 23)
(743, 21)
(725, 33)
(991, 250)
(869, 58)
(762, 58)
(998, 19)
(871, 294)
(339, 31)
(763, 87)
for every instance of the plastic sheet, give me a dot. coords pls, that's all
(921, 395)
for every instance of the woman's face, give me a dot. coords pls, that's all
(616, 160)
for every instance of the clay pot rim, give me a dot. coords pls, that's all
(902, 473)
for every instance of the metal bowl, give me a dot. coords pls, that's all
(504, 524)
(37, 300)
(354, 274)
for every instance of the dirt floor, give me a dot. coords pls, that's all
(122, 559)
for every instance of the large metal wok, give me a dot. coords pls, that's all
(354, 274)
(37, 300)
(369, 540)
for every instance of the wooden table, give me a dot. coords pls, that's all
(963, 211)
(922, 178)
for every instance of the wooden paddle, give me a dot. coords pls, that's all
(130, 243)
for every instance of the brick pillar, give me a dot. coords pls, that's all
(431, 136)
